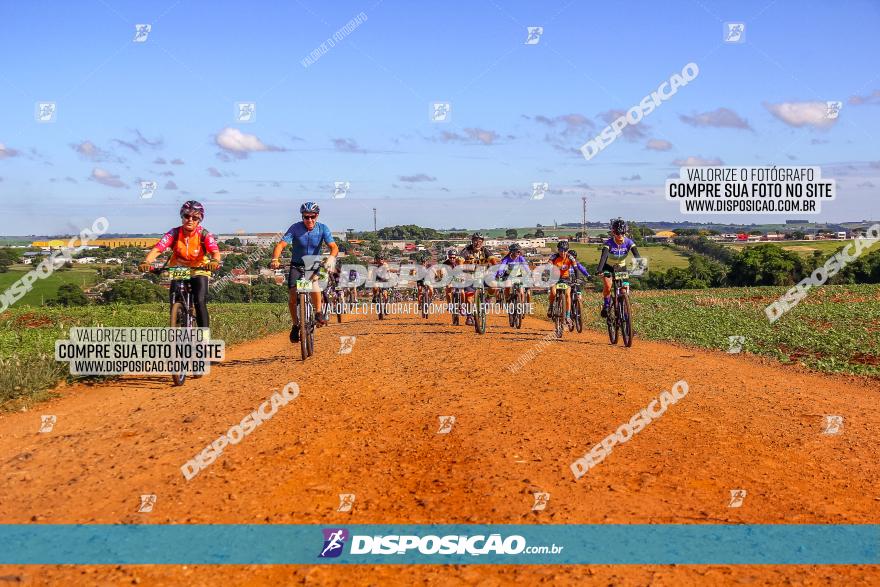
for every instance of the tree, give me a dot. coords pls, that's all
(765, 264)
(510, 233)
(134, 291)
(70, 294)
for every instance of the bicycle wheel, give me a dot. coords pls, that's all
(338, 304)
(576, 313)
(518, 310)
(571, 315)
(424, 302)
(302, 311)
(611, 321)
(558, 316)
(179, 319)
(511, 310)
(479, 313)
(625, 320)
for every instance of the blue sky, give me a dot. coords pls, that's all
(164, 109)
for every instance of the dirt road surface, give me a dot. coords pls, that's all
(366, 423)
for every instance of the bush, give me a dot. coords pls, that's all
(69, 294)
(135, 291)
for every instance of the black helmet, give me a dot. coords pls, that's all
(562, 246)
(618, 226)
(514, 248)
(451, 253)
(310, 207)
(192, 207)
(573, 253)
(477, 235)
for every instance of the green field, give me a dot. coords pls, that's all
(803, 248)
(27, 338)
(834, 329)
(46, 289)
(660, 258)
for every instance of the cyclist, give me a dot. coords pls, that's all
(190, 245)
(512, 261)
(563, 260)
(352, 280)
(382, 273)
(614, 252)
(306, 238)
(426, 265)
(476, 254)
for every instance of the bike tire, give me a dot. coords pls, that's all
(626, 321)
(479, 314)
(304, 330)
(611, 322)
(338, 305)
(558, 317)
(576, 313)
(178, 320)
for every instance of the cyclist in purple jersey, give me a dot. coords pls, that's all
(512, 262)
(614, 252)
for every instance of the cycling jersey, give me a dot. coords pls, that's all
(187, 250)
(615, 254)
(566, 265)
(480, 256)
(306, 242)
(518, 262)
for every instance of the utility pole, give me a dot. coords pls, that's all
(374, 221)
(584, 222)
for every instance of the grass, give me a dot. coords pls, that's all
(46, 289)
(660, 258)
(27, 338)
(803, 248)
(834, 329)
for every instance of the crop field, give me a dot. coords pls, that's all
(27, 337)
(835, 329)
(46, 289)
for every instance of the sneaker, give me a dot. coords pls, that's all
(294, 334)
(604, 311)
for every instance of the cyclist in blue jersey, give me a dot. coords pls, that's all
(614, 252)
(306, 238)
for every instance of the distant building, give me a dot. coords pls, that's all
(85, 260)
(664, 236)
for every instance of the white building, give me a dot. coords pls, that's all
(85, 260)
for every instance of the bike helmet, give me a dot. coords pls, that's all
(562, 246)
(451, 254)
(572, 253)
(478, 235)
(310, 207)
(618, 226)
(515, 248)
(192, 206)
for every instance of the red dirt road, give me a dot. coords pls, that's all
(366, 423)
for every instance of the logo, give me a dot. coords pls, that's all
(346, 344)
(47, 423)
(533, 35)
(45, 112)
(638, 267)
(340, 189)
(737, 496)
(446, 424)
(539, 189)
(334, 542)
(541, 500)
(735, 344)
(734, 32)
(833, 425)
(147, 503)
(148, 188)
(246, 111)
(832, 109)
(441, 112)
(346, 501)
(141, 32)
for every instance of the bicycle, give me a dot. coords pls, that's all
(334, 298)
(557, 310)
(479, 307)
(577, 321)
(183, 311)
(380, 302)
(307, 322)
(619, 318)
(425, 298)
(457, 305)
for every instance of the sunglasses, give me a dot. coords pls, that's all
(190, 217)
(309, 216)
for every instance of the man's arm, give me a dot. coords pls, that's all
(276, 254)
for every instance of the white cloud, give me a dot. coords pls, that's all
(240, 144)
(697, 162)
(802, 114)
(104, 177)
(658, 145)
(720, 118)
